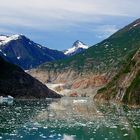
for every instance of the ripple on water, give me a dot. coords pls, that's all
(67, 120)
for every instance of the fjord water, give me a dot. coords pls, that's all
(68, 119)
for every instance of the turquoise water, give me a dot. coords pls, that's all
(68, 119)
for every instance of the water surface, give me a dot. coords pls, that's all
(68, 119)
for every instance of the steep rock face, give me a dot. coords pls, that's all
(86, 85)
(105, 58)
(25, 53)
(91, 81)
(125, 86)
(15, 82)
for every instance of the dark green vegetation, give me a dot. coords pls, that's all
(15, 82)
(132, 94)
(125, 86)
(108, 55)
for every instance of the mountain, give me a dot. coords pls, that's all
(20, 50)
(95, 67)
(77, 47)
(15, 82)
(125, 85)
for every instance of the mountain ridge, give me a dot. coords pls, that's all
(20, 50)
(125, 85)
(15, 82)
(77, 47)
(96, 66)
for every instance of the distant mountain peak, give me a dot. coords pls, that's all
(22, 51)
(137, 20)
(134, 24)
(80, 44)
(77, 47)
(4, 39)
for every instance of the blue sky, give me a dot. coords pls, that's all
(58, 23)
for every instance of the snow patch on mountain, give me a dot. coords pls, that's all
(3, 53)
(77, 47)
(6, 39)
(39, 46)
(30, 43)
(2, 37)
(25, 53)
(136, 24)
(18, 57)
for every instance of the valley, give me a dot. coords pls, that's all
(81, 71)
(85, 73)
(69, 70)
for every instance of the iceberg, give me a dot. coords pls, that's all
(7, 99)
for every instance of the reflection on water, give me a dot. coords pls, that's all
(68, 119)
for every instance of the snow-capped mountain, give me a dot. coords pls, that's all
(5, 39)
(20, 50)
(77, 47)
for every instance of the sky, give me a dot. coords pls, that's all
(57, 24)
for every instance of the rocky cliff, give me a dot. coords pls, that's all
(77, 84)
(125, 86)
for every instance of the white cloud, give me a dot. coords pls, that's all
(65, 19)
(5, 31)
(54, 14)
(105, 31)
